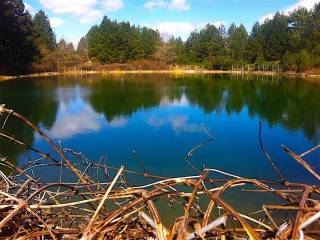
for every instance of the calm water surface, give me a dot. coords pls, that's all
(161, 117)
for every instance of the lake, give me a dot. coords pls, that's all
(157, 119)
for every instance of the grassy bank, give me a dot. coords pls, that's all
(310, 75)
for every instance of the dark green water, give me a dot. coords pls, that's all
(160, 117)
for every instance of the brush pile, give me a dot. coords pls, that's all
(109, 207)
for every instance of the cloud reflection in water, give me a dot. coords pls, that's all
(76, 116)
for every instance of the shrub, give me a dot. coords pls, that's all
(304, 61)
(289, 62)
(222, 62)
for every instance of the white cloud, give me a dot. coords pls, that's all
(74, 115)
(179, 123)
(113, 5)
(86, 10)
(180, 5)
(73, 123)
(29, 8)
(308, 4)
(91, 16)
(182, 29)
(182, 102)
(56, 22)
(167, 29)
(266, 17)
(217, 24)
(153, 4)
(118, 122)
(74, 7)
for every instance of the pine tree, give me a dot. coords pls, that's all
(256, 44)
(82, 47)
(205, 45)
(238, 40)
(276, 37)
(150, 40)
(300, 26)
(315, 16)
(113, 42)
(17, 49)
(44, 35)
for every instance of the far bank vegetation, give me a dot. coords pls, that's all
(288, 43)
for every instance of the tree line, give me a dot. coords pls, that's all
(28, 44)
(291, 42)
(113, 42)
(288, 42)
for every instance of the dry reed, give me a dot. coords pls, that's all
(90, 208)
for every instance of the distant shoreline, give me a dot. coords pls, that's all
(171, 71)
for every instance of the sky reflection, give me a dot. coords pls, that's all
(76, 116)
(161, 117)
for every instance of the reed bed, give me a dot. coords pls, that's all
(102, 204)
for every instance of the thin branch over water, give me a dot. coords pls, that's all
(93, 207)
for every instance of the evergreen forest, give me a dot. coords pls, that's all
(284, 43)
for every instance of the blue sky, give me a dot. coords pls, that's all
(71, 19)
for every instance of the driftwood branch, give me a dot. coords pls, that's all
(32, 209)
